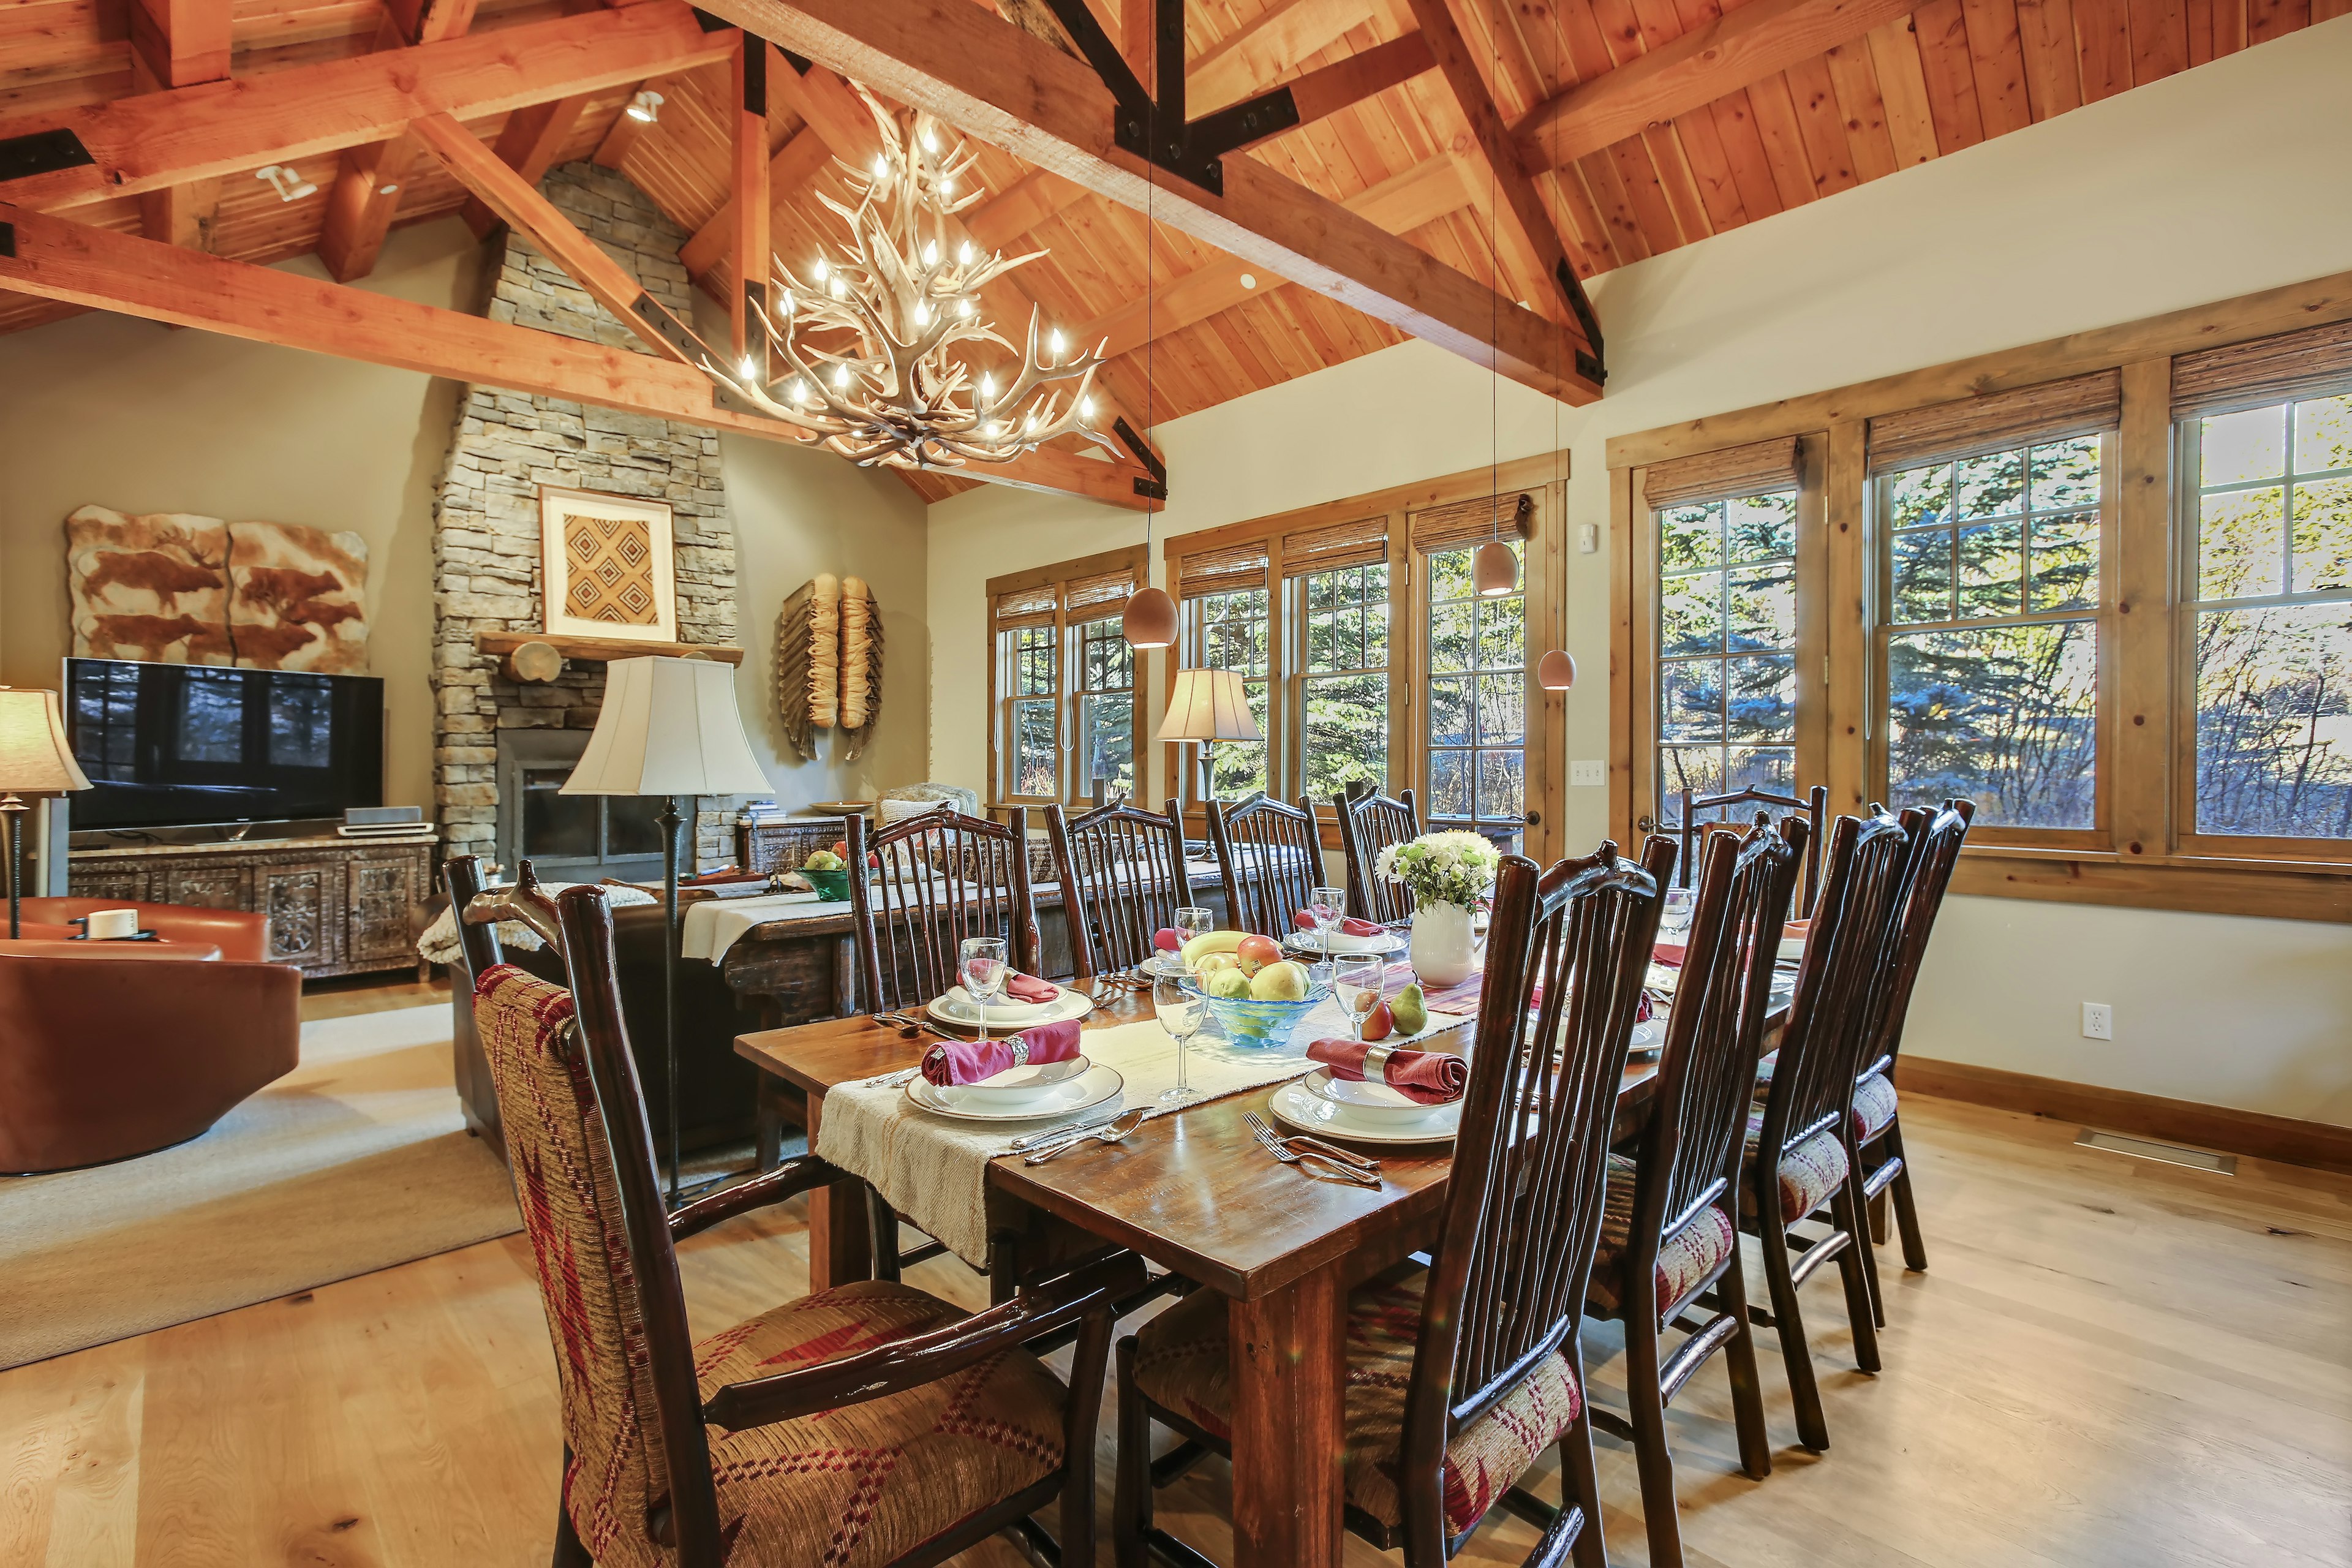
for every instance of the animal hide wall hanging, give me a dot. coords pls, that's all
(176, 588)
(829, 664)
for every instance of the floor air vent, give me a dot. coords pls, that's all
(2148, 1149)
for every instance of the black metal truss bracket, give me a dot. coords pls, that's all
(1156, 487)
(1592, 366)
(1154, 128)
(42, 153)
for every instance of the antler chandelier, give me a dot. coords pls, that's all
(869, 352)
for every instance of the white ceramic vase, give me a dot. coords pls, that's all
(1444, 952)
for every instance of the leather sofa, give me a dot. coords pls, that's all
(110, 1050)
(242, 938)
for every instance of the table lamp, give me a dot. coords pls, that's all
(669, 727)
(34, 759)
(1209, 706)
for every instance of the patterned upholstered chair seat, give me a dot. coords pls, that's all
(1874, 1100)
(1184, 1363)
(1684, 1258)
(868, 1483)
(1810, 1172)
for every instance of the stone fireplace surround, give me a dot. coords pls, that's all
(486, 528)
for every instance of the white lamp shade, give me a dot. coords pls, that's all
(669, 726)
(34, 756)
(1209, 705)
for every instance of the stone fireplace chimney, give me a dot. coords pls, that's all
(486, 536)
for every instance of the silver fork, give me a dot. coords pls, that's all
(1313, 1145)
(1289, 1156)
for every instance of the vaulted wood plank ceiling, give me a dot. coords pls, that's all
(1649, 124)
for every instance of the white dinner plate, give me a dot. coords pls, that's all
(1098, 1085)
(1345, 946)
(1295, 1105)
(1022, 1084)
(1374, 1104)
(1649, 1038)
(957, 1008)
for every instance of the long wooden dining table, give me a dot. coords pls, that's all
(1193, 1192)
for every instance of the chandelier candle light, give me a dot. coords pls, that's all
(869, 349)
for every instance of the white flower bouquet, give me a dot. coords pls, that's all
(1453, 868)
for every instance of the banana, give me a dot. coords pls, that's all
(1210, 942)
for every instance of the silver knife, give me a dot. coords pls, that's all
(1027, 1142)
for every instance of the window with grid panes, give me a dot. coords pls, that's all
(2267, 522)
(1990, 631)
(1726, 687)
(1343, 617)
(1034, 679)
(1230, 631)
(1475, 724)
(1106, 708)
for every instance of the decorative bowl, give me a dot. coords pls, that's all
(832, 886)
(1260, 1025)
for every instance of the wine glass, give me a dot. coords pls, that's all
(981, 961)
(1327, 907)
(1180, 1011)
(1359, 986)
(1675, 915)
(1194, 921)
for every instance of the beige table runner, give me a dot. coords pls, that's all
(934, 1170)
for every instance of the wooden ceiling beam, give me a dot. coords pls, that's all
(995, 82)
(180, 43)
(747, 339)
(157, 140)
(1739, 47)
(801, 159)
(366, 194)
(56, 258)
(528, 144)
(1422, 194)
(1272, 45)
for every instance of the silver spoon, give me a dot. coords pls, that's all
(1110, 1132)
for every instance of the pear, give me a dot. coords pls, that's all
(1411, 1011)
(1230, 985)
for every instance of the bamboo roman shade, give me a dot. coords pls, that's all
(1095, 593)
(1358, 543)
(1025, 607)
(1235, 567)
(1754, 470)
(1467, 522)
(2314, 362)
(2052, 411)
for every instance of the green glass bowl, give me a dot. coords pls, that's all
(833, 886)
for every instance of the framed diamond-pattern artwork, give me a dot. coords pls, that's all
(608, 566)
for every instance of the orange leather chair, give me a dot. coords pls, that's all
(114, 1049)
(241, 937)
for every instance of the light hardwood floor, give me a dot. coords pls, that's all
(2110, 1362)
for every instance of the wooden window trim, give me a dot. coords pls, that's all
(2144, 857)
(1133, 559)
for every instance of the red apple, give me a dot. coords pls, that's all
(841, 847)
(1167, 939)
(1380, 1023)
(1257, 951)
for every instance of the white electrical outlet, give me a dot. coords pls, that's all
(2098, 1021)
(1588, 773)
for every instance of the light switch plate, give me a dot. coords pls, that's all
(1588, 773)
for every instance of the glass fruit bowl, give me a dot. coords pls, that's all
(1260, 1025)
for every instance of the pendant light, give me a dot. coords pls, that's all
(1555, 671)
(1496, 571)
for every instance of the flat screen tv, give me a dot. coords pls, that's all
(170, 745)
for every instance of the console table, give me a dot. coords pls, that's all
(336, 905)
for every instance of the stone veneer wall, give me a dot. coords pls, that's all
(486, 536)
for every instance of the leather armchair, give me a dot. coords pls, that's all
(241, 937)
(110, 1050)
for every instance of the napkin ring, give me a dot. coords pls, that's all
(1376, 1062)
(1020, 1050)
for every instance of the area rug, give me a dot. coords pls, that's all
(355, 1160)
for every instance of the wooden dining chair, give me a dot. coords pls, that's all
(1797, 1159)
(922, 885)
(1123, 879)
(1271, 859)
(1670, 1231)
(1815, 804)
(1875, 1130)
(871, 1423)
(1368, 825)
(1460, 1376)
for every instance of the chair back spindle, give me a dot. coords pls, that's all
(1271, 858)
(1815, 804)
(1123, 879)
(1523, 1206)
(1367, 825)
(939, 877)
(1938, 840)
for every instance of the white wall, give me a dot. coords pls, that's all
(2219, 182)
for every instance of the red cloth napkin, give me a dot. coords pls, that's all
(1670, 953)
(1167, 939)
(969, 1061)
(1350, 926)
(1425, 1078)
(1030, 989)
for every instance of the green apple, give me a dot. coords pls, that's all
(1282, 981)
(1229, 983)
